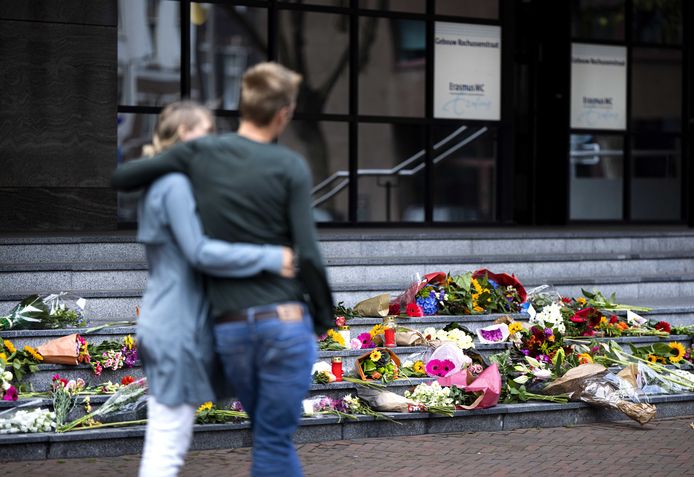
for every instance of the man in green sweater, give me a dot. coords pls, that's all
(249, 189)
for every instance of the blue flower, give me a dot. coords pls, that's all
(493, 283)
(428, 305)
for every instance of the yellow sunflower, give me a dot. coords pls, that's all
(34, 354)
(652, 358)
(476, 285)
(377, 330)
(478, 309)
(204, 407)
(418, 367)
(515, 327)
(3, 357)
(9, 346)
(581, 301)
(680, 352)
(375, 355)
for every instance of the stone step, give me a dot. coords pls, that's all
(113, 275)
(503, 417)
(355, 243)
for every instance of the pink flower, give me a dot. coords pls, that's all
(366, 341)
(414, 310)
(10, 394)
(436, 367)
(340, 321)
(355, 343)
(447, 366)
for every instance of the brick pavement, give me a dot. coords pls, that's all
(662, 448)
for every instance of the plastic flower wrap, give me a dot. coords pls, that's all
(493, 334)
(431, 395)
(60, 310)
(447, 359)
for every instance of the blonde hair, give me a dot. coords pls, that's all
(181, 113)
(265, 89)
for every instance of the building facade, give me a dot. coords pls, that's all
(412, 112)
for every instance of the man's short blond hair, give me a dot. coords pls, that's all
(265, 89)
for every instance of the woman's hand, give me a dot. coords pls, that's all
(288, 266)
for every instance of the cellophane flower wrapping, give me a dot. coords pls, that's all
(488, 383)
(409, 295)
(446, 360)
(59, 310)
(385, 401)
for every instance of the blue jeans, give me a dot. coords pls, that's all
(269, 364)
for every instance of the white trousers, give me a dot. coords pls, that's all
(168, 436)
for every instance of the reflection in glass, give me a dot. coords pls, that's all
(656, 93)
(224, 41)
(325, 146)
(414, 6)
(331, 3)
(392, 77)
(317, 46)
(469, 8)
(134, 131)
(392, 173)
(596, 184)
(598, 19)
(656, 177)
(149, 52)
(658, 21)
(464, 173)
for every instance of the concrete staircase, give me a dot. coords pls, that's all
(649, 267)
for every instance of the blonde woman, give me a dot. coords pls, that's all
(174, 332)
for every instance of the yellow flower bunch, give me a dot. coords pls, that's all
(477, 309)
(34, 354)
(3, 357)
(378, 329)
(9, 346)
(585, 358)
(418, 367)
(336, 337)
(581, 301)
(204, 407)
(129, 342)
(515, 327)
(476, 285)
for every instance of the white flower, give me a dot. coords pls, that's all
(6, 385)
(321, 366)
(429, 333)
(540, 373)
(7, 376)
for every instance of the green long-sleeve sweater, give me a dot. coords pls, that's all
(251, 192)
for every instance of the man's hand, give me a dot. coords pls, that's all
(288, 266)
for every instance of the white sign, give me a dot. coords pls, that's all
(598, 86)
(467, 71)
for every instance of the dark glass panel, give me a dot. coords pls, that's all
(464, 173)
(391, 173)
(392, 79)
(325, 146)
(656, 89)
(413, 6)
(656, 182)
(224, 41)
(149, 52)
(598, 19)
(658, 21)
(596, 181)
(469, 8)
(317, 46)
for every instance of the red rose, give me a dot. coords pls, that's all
(127, 380)
(340, 321)
(394, 309)
(663, 326)
(614, 320)
(414, 310)
(565, 299)
(578, 319)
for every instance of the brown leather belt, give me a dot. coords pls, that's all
(284, 312)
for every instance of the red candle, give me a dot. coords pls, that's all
(337, 368)
(389, 334)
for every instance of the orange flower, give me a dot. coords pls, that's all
(622, 326)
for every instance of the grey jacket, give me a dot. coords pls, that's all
(174, 331)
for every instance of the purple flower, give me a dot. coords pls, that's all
(548, 332)
(492, 335)
(543, 358)
(429, 305)
(130, 357)
(493, 283)
(525, 352)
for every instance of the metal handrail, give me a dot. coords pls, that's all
(398, 169)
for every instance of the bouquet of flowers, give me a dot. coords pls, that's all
(112, 355)
(20, 361)
(208, 413)
(453, 333)
(36, 420)
(324, 405)
(413, 369)
(63, 393)
(60, 310)
(380, 364)
(7, 391)
(332, 341)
